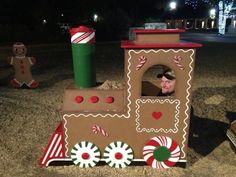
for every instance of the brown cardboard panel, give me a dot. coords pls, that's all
(159, 115)
(157, 38)
(79, 129)
(108, 100)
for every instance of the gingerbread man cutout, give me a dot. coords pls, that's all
(22, 66)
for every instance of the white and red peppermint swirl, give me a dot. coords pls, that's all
(83, 38)
(161, 141)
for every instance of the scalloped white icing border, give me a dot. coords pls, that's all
(148, 130)
(129, 95)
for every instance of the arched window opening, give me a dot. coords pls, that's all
(159, 80)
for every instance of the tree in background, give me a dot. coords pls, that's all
(224, 7)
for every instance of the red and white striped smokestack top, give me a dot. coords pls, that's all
(82, 35)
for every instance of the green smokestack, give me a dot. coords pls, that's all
(82, 41)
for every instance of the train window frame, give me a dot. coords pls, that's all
(156, 84)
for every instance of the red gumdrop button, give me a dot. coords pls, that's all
(79, 99)
(110, 99)
(118, 156)
(85, 156)
(94, 99)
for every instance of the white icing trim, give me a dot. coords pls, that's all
(156, 130)
(187, 97)
(18, 57)
(30, 61)
(12, 60)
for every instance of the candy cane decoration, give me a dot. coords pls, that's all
(142, 61)
(177, 60)
(97, 129)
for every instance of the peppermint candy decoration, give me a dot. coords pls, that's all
(97, 129)
(85, 154)
(118, 154)
(142, 61)
(161, 152)
(83, 38)
(177, 60)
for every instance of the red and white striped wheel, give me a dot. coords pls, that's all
(118, 154)
(85, 154)
(161, 152)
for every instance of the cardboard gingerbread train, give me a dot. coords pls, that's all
(119, 126)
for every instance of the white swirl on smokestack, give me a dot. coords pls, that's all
(83, 37)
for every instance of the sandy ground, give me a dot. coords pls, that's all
(28, 117)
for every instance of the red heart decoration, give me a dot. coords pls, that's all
(156, 115)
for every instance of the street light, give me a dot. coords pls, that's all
(95, 17)
(212, 13)
(172, 5)
(44, 21)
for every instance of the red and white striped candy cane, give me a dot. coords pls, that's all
(142, 61)
(177, 60)
(83, 37)
(97, 129)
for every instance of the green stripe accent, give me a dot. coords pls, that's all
(129, 159)
(122, 144)
(95, 161)
(126, 164)
(93, 145)
(74, 148)
(73, 153)
(86, 143)
(74, 159)
(109, 162)
(96, 151)
(115, 144)
(80, 145)
(105, 151)
(109, 146)
(130, 153)
(127, 148)
(120, 166)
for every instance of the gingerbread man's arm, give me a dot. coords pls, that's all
(10, 60)
(32, 60)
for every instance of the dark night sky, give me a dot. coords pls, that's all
(23, 19)
(31, 11)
